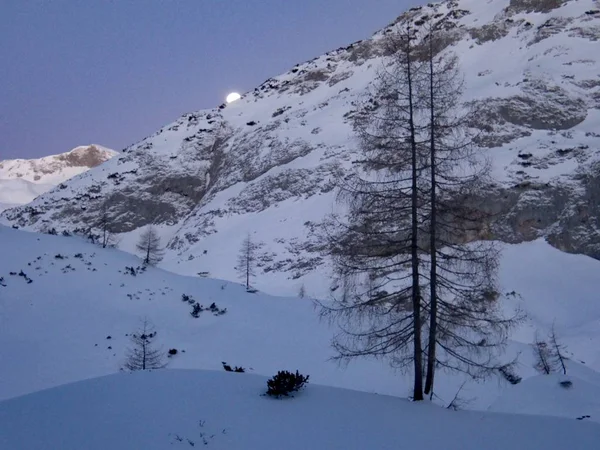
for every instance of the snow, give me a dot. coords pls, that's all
(18, 191)
(175, 409)
(543, 395)
(217, 221)
(49, 169)
(54, 330)
(22, 180)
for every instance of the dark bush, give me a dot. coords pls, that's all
(284, 383)
(196, 310)
(567, 384)
(509, 375)
(172, 351)
(237, 369)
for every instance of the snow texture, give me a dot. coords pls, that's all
(183, 409)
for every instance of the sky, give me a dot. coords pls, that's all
(111, 72)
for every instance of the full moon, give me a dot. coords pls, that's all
(233, 97)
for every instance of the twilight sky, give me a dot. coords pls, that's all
(111, 72)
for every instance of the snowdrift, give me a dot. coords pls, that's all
(217, 410)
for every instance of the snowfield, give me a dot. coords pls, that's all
(172, 409)
(71, 323)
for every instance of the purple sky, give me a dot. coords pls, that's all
(111, 72)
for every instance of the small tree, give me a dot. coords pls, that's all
(143, 355)
(246, 265)
(302, 291)
(558, 355)
(107, 238)
(543, 355)
(149, 246)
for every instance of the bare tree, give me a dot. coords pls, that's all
(302, 291)
(558, 350)
(246, 263)
(376, 249)
(407, 244)
(466, 331)
(143, 355)
(149, 246)
(543, 355)
(106, 238)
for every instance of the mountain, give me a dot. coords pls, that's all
(266, 164)
(21, 180)
(179, 409)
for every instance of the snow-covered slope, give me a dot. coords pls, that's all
(189, 409)
(21, 180)
(18, 191)
(265, 164)
(554, 395)
(72, 320)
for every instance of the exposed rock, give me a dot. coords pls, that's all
(541, 6)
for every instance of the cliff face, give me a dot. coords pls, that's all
(265, 164)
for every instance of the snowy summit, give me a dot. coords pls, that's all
(21, 180)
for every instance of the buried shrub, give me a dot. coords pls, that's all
(237, 369)
(509, 374)
(284, 383)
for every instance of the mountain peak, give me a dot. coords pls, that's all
(21, 180)
(54, 169)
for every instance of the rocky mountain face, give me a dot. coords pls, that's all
(21, 180)
(266, 164)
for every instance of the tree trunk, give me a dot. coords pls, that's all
(248, 265)
(144, 355)
(432, 236)
(416, 290)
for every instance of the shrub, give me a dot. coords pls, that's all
(237, 369)
(196, 310)
(567, 384)
(284, 383)
(509, 375)
(172, 351)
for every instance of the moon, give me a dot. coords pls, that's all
(233, 97)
